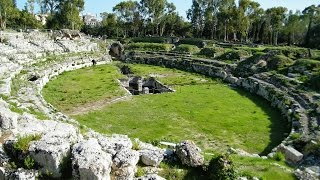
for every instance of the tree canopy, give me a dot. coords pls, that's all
(222, 20)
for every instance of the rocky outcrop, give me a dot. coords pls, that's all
(151, 157)
(150, 177)
(51, 151)
(8, 119)
(20, 174)
(149, 154)
(90, 162)
(124, 164)
(291, 154)
(189, 154)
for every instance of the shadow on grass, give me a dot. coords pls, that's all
(279, 125)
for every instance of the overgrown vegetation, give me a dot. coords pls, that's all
(150, 47)
(23, 142)
(186, 48)
(211, 52)
(222, 168)
(18, 152)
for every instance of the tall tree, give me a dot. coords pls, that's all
(48, 6)
(311, 13)
(227, 16)
(66, 15)
(6, 7)
(276, 17)
(128, 14)
(30, 6)
(153, 10)
(196, 16)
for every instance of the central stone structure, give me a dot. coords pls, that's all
(137, 85)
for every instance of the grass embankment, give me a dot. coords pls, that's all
(204, 110)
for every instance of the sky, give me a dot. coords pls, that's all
(95, 7)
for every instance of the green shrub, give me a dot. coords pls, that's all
(149, 47)
(295, 136)
(148, 39)
(22, 143)
(234, 55)
(251, 50)
(135, 145)
(29, 163)
(279, 156)
(140, 172)
(211, 52)
(279, 61)
(221, 168)
(186, 48)
(193, 41)
(314, 81)
(291, 52)
(310, 64)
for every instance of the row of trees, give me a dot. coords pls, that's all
(61, 14)
(11, 16)
(223, 20)
(147, 17)
(247, 21)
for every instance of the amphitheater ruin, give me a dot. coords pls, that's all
(29, 61)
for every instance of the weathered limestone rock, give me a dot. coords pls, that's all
(112, 144)
(124, 164)
(306, 174)
(53, 147)
(291, 154)
(151, 157)
(90, 162)
(150, 177)
(189, 154)
(20, 174)
(8, 119)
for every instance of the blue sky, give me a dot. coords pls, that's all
(98, 6)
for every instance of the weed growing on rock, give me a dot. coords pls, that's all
(23, 142)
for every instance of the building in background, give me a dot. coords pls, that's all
(42, 18)
(90, 20)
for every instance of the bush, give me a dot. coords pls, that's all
(234, 55)
(221, 168)
(148, 39)
(186, 48)
(29, 163)
(310, 64)
(314, 81)
(193, 41)
(211, 52)
(279, 156)
(291, 52)
(295, 136)
(279, 61)
(150, 47)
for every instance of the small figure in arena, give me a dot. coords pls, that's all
(94, 62)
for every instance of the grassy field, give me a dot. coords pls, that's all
(77, 88)
(204, 110)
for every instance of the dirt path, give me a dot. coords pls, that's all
(97, 105)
